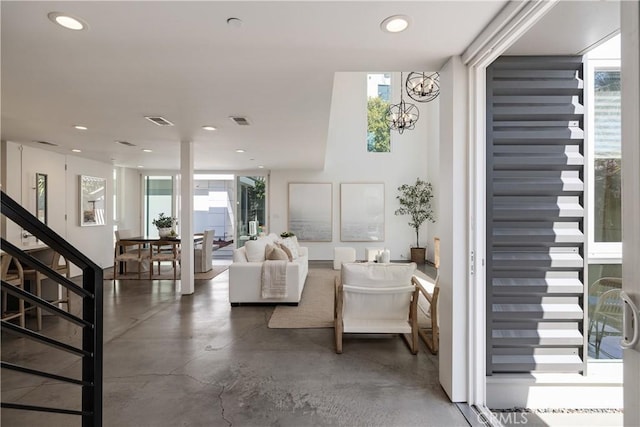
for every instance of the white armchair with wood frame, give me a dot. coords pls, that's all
(375, 298)
(428, 327)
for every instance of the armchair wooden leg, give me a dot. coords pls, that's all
(338, 332)
(409, 341)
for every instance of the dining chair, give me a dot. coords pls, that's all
(125, 252)
(60, 265)
(607, 318)
(158, 254)
(373, 298)
(14, 277)
(202, 255)
(599, 287)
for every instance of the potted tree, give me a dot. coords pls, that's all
(415, 201)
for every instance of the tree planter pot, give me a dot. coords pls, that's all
(418, 255)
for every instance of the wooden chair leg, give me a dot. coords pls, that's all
(39, 294)
(338, 332)
(22, 315)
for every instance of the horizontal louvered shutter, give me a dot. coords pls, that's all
(535, 241)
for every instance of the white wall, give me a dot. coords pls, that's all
(347, 160)
(130, 209)
(95, 242)
(452, 228)
(21, 164)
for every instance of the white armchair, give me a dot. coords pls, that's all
(202, 255)
(376, 299)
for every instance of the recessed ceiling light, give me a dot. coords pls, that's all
(208, 127)
(140, 166)
(395, 24)
(146, 150)
(80, 127)
(239, 150)
(67, 21)
(260, 167)
(75, 150)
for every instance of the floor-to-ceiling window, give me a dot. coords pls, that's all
(213, 200)
(158, 198)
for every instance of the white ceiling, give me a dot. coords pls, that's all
(180, 60)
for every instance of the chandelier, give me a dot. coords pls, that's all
(402, 116)
(423, 87)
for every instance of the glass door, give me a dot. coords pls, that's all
(158, 198)
(251, 213)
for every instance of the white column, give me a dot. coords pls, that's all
(452, 216)
(186, 217)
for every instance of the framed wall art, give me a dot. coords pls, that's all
(362, 212)
(310, 211)
(93, 196)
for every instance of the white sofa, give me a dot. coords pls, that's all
(245, 285)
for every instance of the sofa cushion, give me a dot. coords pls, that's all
(256, 250)
(274, 252)
(372, 274)
(240, 255)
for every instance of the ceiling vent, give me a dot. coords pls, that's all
(46, 143)
(160, 121)
(127, 143)
(240, 121)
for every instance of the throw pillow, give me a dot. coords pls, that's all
(255, 250)
(276, 253)
(292, 246)
(286, 250)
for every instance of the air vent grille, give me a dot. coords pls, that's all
(127, 143)
(160, 121)
(240, 121)
(46, 143)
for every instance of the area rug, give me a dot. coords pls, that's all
(166, 273)
(316, 306)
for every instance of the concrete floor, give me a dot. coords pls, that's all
(195, 361)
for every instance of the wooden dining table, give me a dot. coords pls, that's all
(157, 241)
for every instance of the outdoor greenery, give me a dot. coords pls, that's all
(415, 201)
(378, 136)
(256, 199)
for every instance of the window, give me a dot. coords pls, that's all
(378, 100)
(602, 82)
(607, 150)
(158, 198)
(603, 190)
